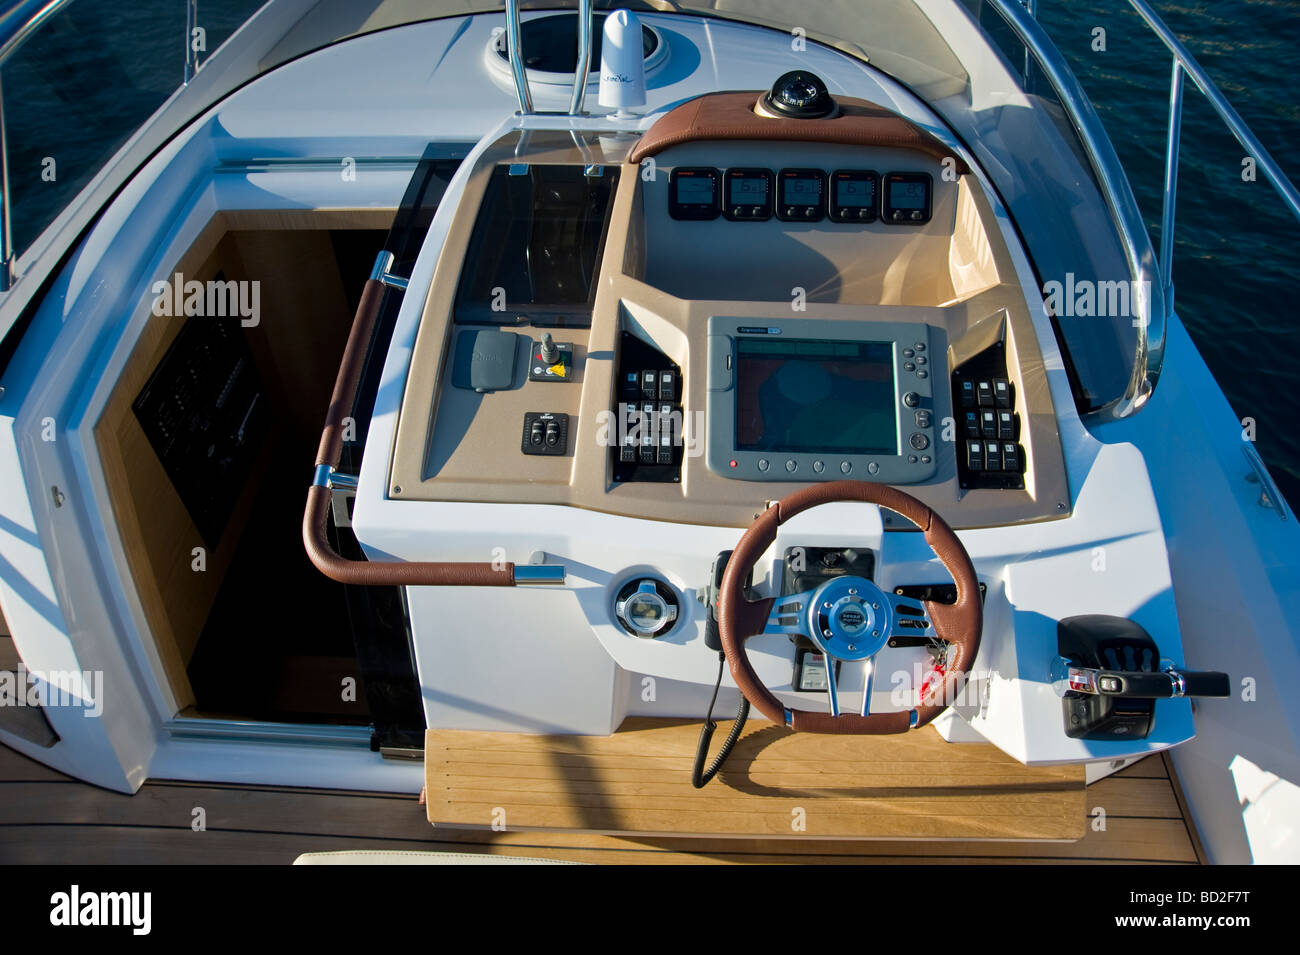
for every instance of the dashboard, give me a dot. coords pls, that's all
(751, 315)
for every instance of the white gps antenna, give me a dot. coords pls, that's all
(622, 63)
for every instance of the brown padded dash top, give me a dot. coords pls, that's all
(723, 116)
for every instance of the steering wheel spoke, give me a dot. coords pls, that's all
(789, 615)
(911, 618)
(832, 685)
(847, 618)
(868, 677)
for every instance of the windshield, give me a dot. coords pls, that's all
(956, 55)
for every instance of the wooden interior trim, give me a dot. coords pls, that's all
(301, 220)
(304, 321)
(153, 526)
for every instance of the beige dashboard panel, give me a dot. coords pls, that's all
(832, 263)
(953, 274)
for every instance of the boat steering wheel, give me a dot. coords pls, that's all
(850, 618)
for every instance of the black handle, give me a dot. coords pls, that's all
(1205, 683)
(1162, 684)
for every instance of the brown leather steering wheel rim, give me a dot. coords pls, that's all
(960, 623)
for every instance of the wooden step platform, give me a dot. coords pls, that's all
(776, 784)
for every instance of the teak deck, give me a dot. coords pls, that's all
(46, 817)
(776, 783)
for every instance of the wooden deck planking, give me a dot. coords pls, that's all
(638, 781)
(15, 767)
(48, 817)
(1152, 768)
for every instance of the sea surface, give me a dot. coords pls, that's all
(77, 90)
(1236, 254)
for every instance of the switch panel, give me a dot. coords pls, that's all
(990, 455)
(204, 412)
(647, 429)
(546, 432)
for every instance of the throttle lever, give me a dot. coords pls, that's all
(1109, 673)
(1149, 685)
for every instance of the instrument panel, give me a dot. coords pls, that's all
(748, 194)
(817, 400)
(800, 194)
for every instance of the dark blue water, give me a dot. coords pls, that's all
(81, 86)
(1235, 255)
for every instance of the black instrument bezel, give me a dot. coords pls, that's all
(887, 211)
(846, 213)
(695, 211)
(800, 173)
(745, 172)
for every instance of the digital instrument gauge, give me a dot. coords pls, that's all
(695, 192)
(747, 195)
(801, 195)
(854, 195)
(906, 199)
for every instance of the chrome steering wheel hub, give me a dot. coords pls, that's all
(849, 618)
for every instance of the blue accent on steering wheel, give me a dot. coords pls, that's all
(849, 618)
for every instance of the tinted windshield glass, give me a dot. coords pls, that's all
(79, 86)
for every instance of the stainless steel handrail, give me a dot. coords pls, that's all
(1118, 195)
(1185, 63)
(514, 53)
(1173, 142)
(1236, 125)
(583, 66)
(16, 24)
(191, 55)
(1114, 184)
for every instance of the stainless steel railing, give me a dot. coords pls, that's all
(1138, 250)
(1185, 64)
(1115, 190)
(191, 55)
(16, 24)
(514, 43)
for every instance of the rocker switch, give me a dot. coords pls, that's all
(545, 433)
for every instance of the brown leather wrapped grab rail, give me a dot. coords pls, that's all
(315, 521)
